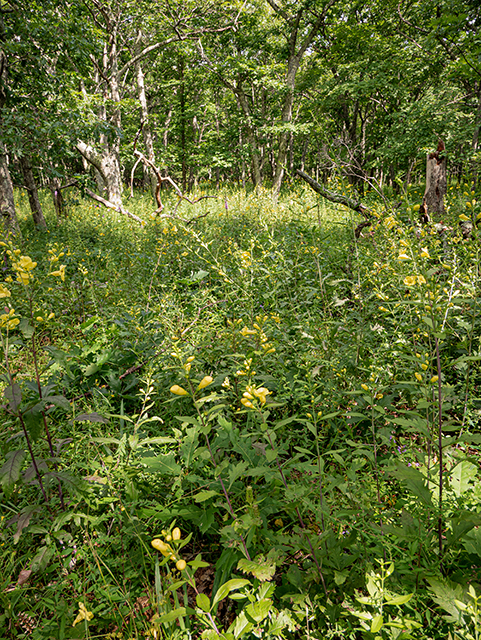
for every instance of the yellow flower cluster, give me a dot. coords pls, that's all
(9, 320)
(23, 265)
(251, 393)
(166, 549)
(410, 281)
(258, 331)
(180, 391)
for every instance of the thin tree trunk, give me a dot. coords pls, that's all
(29, 180)
(7, 204)
(146, 130)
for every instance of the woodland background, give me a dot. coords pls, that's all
(234, 406)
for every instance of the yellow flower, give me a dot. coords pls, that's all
(161, 546)
(421, 280)
(179, 391)
(262, 394)
(403, 256)
(181, 565)
(4, 292)
(23, 277)
(176, 534)
(60, 273)
(424, 366)
(434, 378)
(205, 382)
(248, 332)
(365, 387)
(425, 253)
(418, 376)
(39, 319)
(26, 263)
(8, 320)
(83, 614)
(410, 281)
(247, 403)
(464, 218)
(383, 309)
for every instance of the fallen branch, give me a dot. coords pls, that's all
(335, 197)
(110, 205)
(160, 180)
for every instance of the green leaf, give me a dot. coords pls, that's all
(33, 419)
(163, 464)
(463, 477)
(204, 495)
(203, 602)
(258, 611)
(261, 567)
(175, 614)
(10, 471)
(58, 401)
(376, 624)
(399, 599)
(444, 594)
(26, 328)
(227, 587)
(241, 626)
(415, 482)
(42, 558)
(13, 394)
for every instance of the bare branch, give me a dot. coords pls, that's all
(335, 197)
(110, 205)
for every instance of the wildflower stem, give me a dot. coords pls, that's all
(440, 449)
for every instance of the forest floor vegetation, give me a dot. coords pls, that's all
(256, 425)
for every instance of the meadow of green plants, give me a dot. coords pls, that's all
(289, 413)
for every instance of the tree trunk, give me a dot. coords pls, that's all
(436, 183)
(35, 206)
(146, 130)
(7, 204)
(107, 165)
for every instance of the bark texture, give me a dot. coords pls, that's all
(436, 183)
(30, 185)
(7, 205)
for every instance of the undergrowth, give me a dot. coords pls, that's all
(251, 424)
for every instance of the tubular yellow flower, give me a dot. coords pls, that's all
(403, 256)
(205, 382)
(83, 614)
(179, 391)
(176, 534)
(418, 376)
(262, 394)
(26, 263)
(181, 565)
(434, 378)
(161, 546)
(365, 387)
(247, 403)
(60, 273)
(23, 277)
(4, 292)
(421, 280)
(410, 281)
(425, 253)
